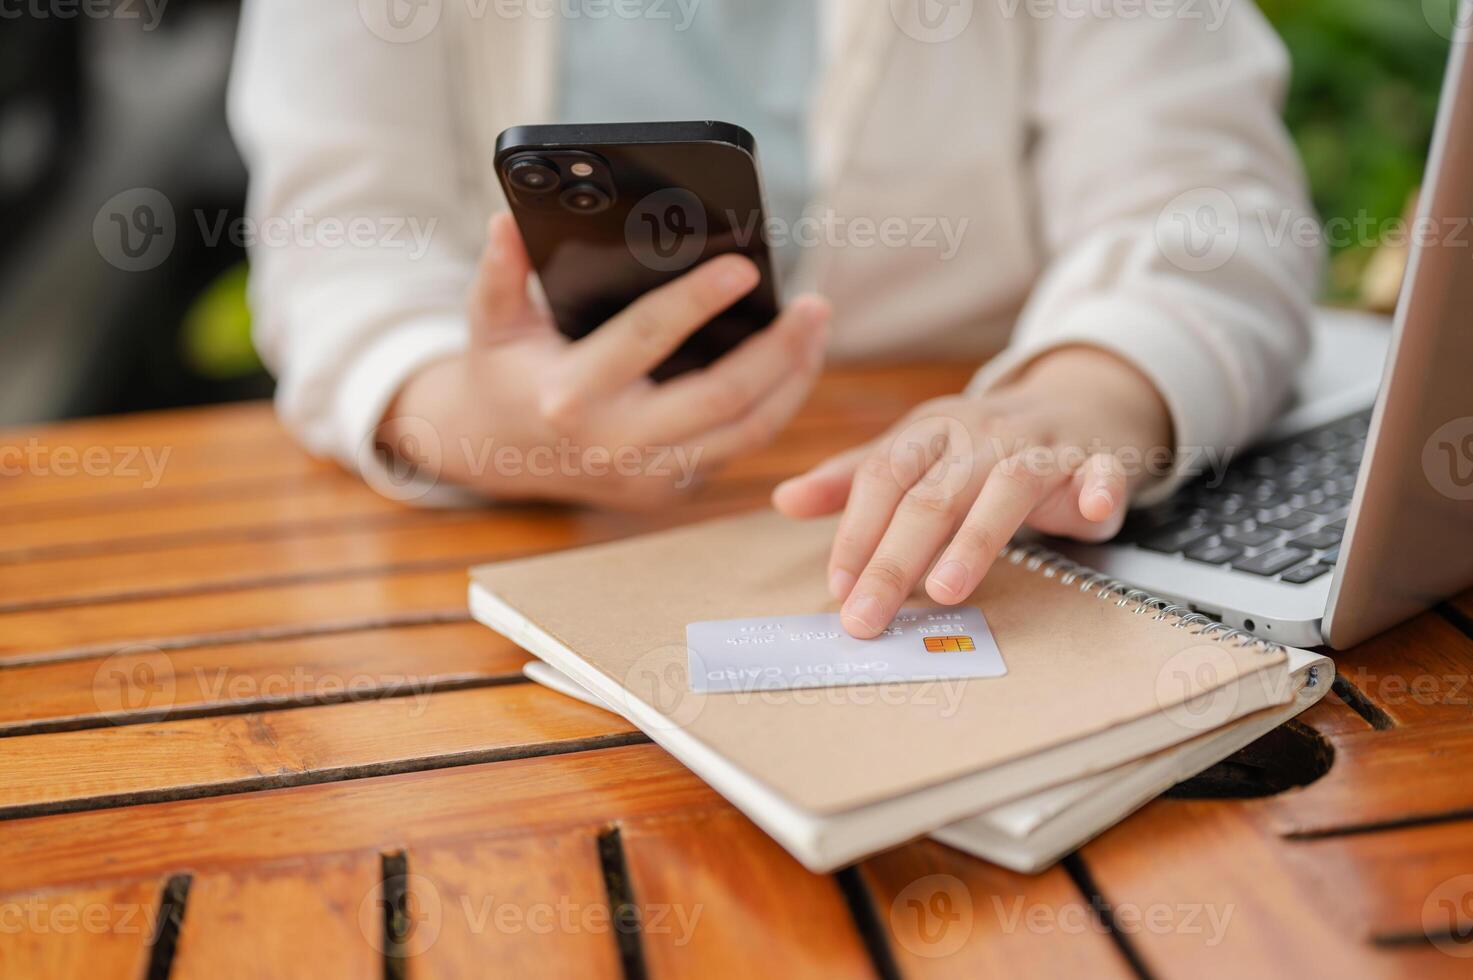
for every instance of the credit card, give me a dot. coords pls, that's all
(813, 650)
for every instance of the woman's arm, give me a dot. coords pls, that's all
(1170, 320)
(365, 242)
(1175, 211)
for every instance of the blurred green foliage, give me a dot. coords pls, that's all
(1362, 102)
(216, 333)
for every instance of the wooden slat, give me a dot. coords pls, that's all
(1229, 900)
(415, 538)
(206, 424)
(252, 509)
(717, 897)
(865, 392)
(1417, 673)
(946, 914)
(152, 684)
(319, 919)
(1380, 884)
(412, 809)
(212, 448)
(1383, 778)
(517, 907)
(27, 498)
(1332, 716)
(244, 614)
(239, 753)
(89, 933)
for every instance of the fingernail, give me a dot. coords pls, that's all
(840, 583)
(949, 578)
(865, 611)
(1107, 497)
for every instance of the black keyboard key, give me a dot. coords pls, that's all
(1271, 562)
(1214, 554)
(1330, 505)
(1335, 525)
(1305, 573)
(1177, 539)
(1264, 466)
(1253, 537)
(1316, 540)
(1292, 521)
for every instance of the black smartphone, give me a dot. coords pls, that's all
(610, 211)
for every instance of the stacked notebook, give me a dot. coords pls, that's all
(1109, 697)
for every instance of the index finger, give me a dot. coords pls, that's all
(638, 338)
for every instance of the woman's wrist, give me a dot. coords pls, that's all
(1106, 382)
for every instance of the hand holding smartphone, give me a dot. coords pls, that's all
(611, 211)
(525, 412)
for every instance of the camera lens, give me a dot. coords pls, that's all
(532, 174)
(584, 198)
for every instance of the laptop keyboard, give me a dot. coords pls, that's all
(1278, 511)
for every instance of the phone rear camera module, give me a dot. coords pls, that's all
(532, 174)
(585, 198)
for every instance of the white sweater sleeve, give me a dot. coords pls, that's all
(361, 249)
(1173, 212)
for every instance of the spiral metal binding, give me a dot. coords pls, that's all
(1053, 565)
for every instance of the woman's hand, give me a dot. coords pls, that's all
(526, 413)
(1060, 449)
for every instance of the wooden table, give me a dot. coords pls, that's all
(250, 731)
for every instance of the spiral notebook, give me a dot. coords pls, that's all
(1097, 675)
(1030, 834)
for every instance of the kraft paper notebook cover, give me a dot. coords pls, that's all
(1095, 678)
(1031, 833)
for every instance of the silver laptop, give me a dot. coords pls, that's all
(1356, 510)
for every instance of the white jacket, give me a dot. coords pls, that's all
(1107, 172)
